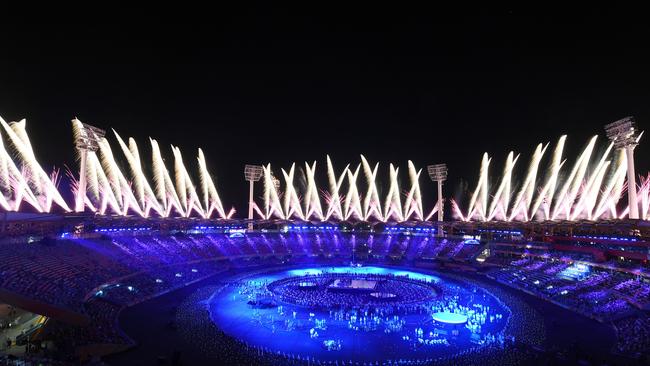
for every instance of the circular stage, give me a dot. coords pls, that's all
(364, 314)
(449, 318)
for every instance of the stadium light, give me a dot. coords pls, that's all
(86, 140)
(624, 134)
(252, 173)
(438, 173)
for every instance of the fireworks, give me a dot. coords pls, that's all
(590, 190)
(551, 189)
(353, 205)
(109, 190)
(30, 183)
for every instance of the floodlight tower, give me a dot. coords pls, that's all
(87, 140)
(438, 173)
(252, 173)
(624, 134)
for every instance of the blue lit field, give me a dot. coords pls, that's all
(361, 328)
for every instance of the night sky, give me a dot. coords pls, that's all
(271, 85)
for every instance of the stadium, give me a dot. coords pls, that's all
(129, 261)
(323, 185)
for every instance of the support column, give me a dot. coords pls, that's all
(250, 206)
(441, 208)
(631, 183)
(80, 202)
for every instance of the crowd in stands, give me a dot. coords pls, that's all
(607, 295)
(591, 293)
(635, 289)
(10, 360)
(56, 272)
(104, 307)
(98, 277)
(461, 250)
(633, 335)
(82, 275)
(61, 272)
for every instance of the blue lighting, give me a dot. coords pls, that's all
(232, 312)
(617, 238)
(575, 272)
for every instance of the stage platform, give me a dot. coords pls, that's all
(352, 285)
(449, 318)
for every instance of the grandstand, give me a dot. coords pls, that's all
(81, 272)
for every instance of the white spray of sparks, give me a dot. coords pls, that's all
(393, 206)
(271, 197)
(334, 200)
(413, 204)
(355, 204)
(501, 200)
(590, 190)
(371, 202)
(291, 200)
(28, 183)
(313, 206)
(352, 199)
(109, 189)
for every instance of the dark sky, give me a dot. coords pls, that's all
(271, 85)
